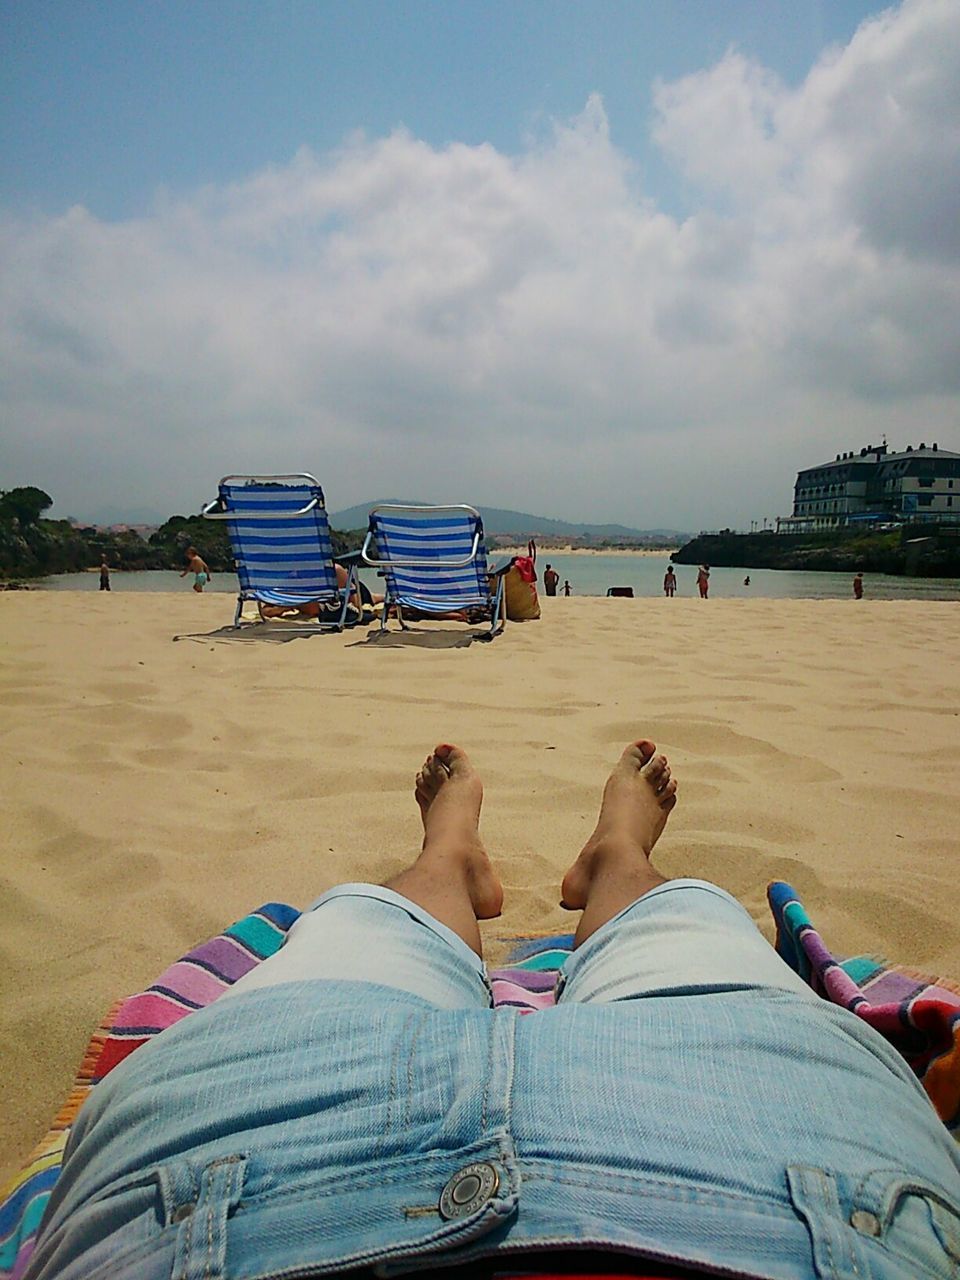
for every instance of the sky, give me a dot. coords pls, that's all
(631, 260)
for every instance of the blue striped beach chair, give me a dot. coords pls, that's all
(280, 534)
(433, 561)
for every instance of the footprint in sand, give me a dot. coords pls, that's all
(302, 780)
(717, 740)
(766, 828)
(32, 698)
(873, 799)
(137, 722)
(160, 758)
(742, 870)
(124, 690)
(908, 928)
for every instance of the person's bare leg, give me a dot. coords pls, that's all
(614, 867)
(342, 579)
(452, 878)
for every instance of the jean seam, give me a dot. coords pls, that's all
(510, 1073)
(657, 1186)
(375, 1178)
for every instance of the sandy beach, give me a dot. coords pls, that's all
(154, 791)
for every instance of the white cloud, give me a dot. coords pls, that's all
(524, 330)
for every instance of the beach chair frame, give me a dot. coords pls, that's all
(490, 602)
(219, 509)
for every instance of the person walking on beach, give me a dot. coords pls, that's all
(670, 582)
(355, 1105)
(550, 580)
(566, 586)
(104, 575)
(858, 586)
(198, 567)
(703, 580)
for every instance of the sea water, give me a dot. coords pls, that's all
(592, 575)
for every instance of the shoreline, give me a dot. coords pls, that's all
(544, 552)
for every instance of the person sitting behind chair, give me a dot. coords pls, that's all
(312, 608)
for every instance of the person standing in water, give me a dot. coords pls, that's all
(703, 580)
(104, 574)
(858, 586)
(198, 567)
(669, 582)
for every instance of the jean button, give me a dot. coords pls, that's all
(468, 1190)
(868, 1224)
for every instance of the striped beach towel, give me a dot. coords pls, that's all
(193, 982)
(919, 1015)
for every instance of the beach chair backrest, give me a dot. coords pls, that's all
(280, 534)
(430, 552)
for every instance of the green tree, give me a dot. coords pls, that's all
(24, 504)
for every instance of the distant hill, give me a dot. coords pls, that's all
(520, 523)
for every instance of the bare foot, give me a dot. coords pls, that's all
(449, 793)
(637, 800)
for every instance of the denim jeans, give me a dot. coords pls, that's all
(357, 1102)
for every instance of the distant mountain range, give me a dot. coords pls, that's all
(519, 523)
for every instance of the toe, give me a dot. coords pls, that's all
(663, 779)
(653, 769)
(642, 747)
(451, 758)
(434, 771)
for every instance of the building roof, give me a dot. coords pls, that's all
(923, 453)
(874, 454)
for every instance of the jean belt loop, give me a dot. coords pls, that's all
(201, 1251)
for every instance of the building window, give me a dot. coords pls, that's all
(925, 500)
(924, 483)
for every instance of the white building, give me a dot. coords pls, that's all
(875, 486)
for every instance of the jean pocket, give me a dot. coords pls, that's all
(886, 1225)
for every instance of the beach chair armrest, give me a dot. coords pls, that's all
(350, 558)
(416, 563)
(215, 511)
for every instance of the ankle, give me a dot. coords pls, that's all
(616, 845)
(455, 856)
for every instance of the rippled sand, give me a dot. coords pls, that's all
(153, 791)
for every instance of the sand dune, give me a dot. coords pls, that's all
(153, 791)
